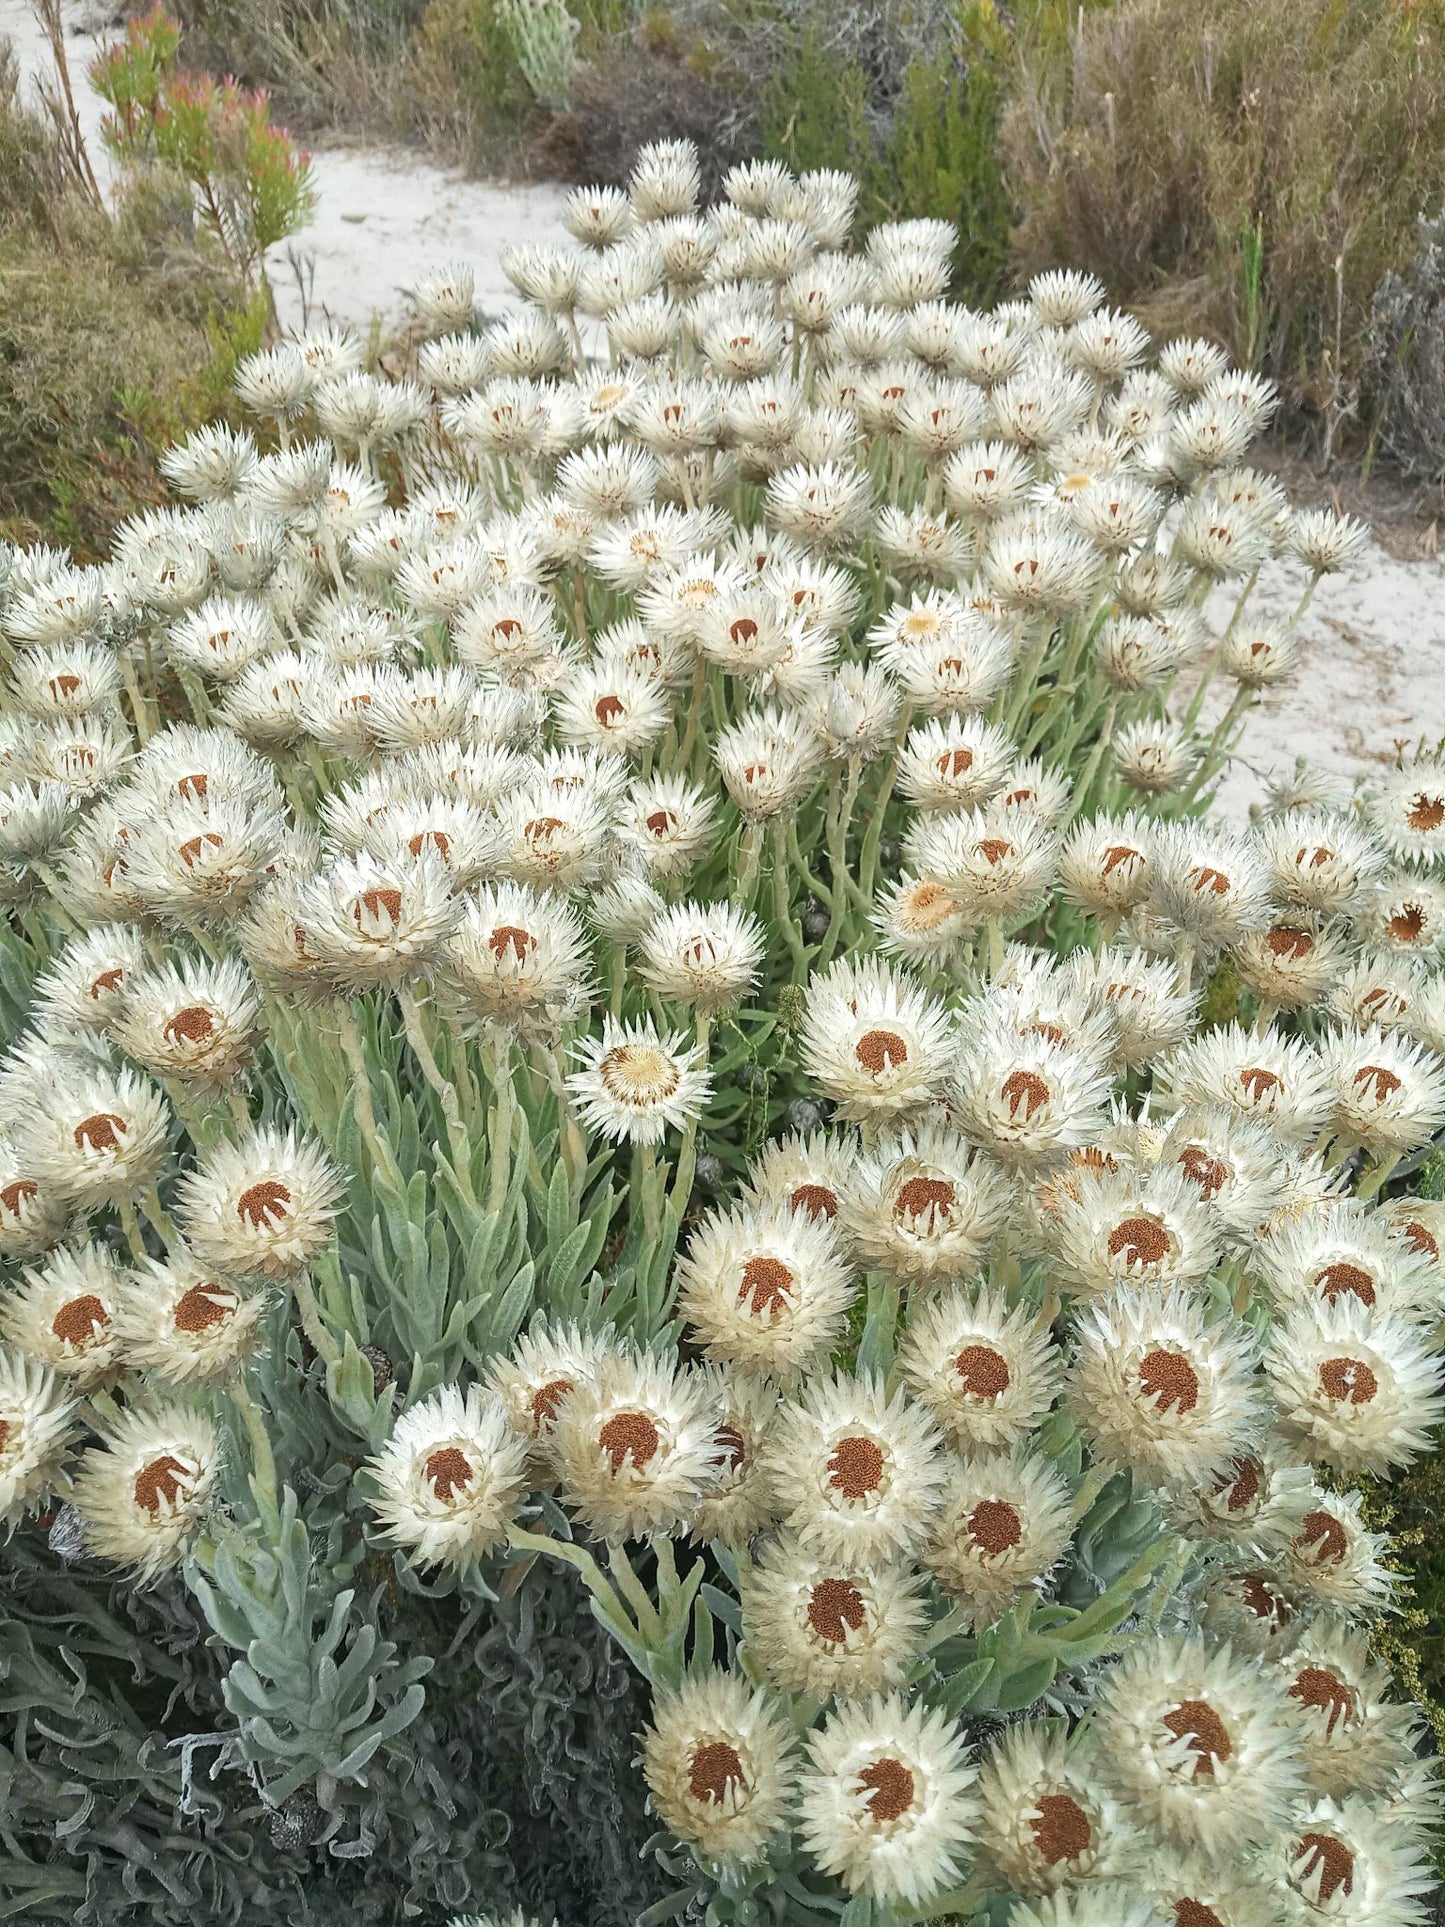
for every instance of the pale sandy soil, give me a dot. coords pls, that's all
(1374, 669)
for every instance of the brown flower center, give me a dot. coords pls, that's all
(1241, 1482)
(1139, 1241)
(159, 1483)
(1425, 812)
(102, 1132)
(1024, 1091)
(377, 903)
(715, 1768)
(919, 1196)
(835, 1606)
(955, 762)
(817, 1200)
(993, 850)
(1197, 1722)
(449, 1469)
(1209, 1173)
(983, 1372)
(437, 840)
(509, 937)
(1120, 853)
(1208, 880)
(1060, 1828)
(1418, 1236)
(879, 1050)
(1350, 1380)
(994, 1526)
(1194, 1913)
(1169, 1381)
(79, 1320)
(661, 822)
(1342, 1280)
(202, 1307)
(1407, 923)
(856, 1467)
(19, 1191)
(1318, 1686)
(1385, 1082)
(191, 850)
(108, 980)
(607, 709)
(1284, 941)
(263, 1203)
(630, 1435)
(545, 1401)
(767, 1285)
(1331, 1859)
(193, 1025)
(732, 1448)
(1323, 1535)
(1264, 1599)
(891, 1788)
(1259, 1083)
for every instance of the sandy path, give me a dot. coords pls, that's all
(1374, 668)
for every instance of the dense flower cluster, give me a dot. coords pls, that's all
(701, 781)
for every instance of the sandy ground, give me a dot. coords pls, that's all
(1374, 668)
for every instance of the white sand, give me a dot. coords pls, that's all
(1374, 668)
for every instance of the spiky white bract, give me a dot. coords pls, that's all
(635, 1083)
(1147, 1230)
(1197, 1745)
(720, 1767)
(636, 1447)
(739, 1505)
(1358, 1388)
(887, 1802)
(37, 1421)
(145, 1490)
(857, 1475)
(262, 1206)
(766, 1290)
(1046, 1818)
(1242, 1891)
(1406, 809)
(450, 1478)
(822, 1626)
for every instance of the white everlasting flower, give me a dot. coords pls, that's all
(887, 1802)
(519, 957)
(1006, 1520)
(1335, 1557)
(612, 709)
(854, 715)
(635, 1084)
(184, 1325)
(144, 1492)
(201, 861)
(1231, 1162)
(1210, 883)
(1356, 1387)
(542, 1369)
(67, 679)
(636, 1447)
(66, 1315)
(450, 1478)
(447, 830)
(920, 546)
(1391, 992)
(1405, 916)
(1289, 963)
(995, 863)
(804, 1175)
(33, 1212)
(1035, 565)
(1027, 1099)
(924, 1207)
(769, 762)
(740, 1505)
(1134, 653)
(597, 216)
(858, 1477)
(702, 956)
(1416, 1227)
(1277, 1080)
(36, 1426)
(1355, 1739)
(1326, 542)
(821, 1627)
(1259, 655)
(34, 820)
(94, 1136)
(1047, 1821)
(1039, 405)
(957, 763)
(986, 481)
(1341, 1861)
(444, 298)
(984, 1370)
(822, 508)
(668, 823)
(267, 701)
(1197, 1744)
(1406, 809)
(1192, 1888)
(1153, 757)
(766, 1289)
(1146, 1231)
(261, 1207)
(874, 1041)
(1156, 1388)
(198, 1023)
(718, 1760)
(1389, 1093)
(371, 922)
(211, 464)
